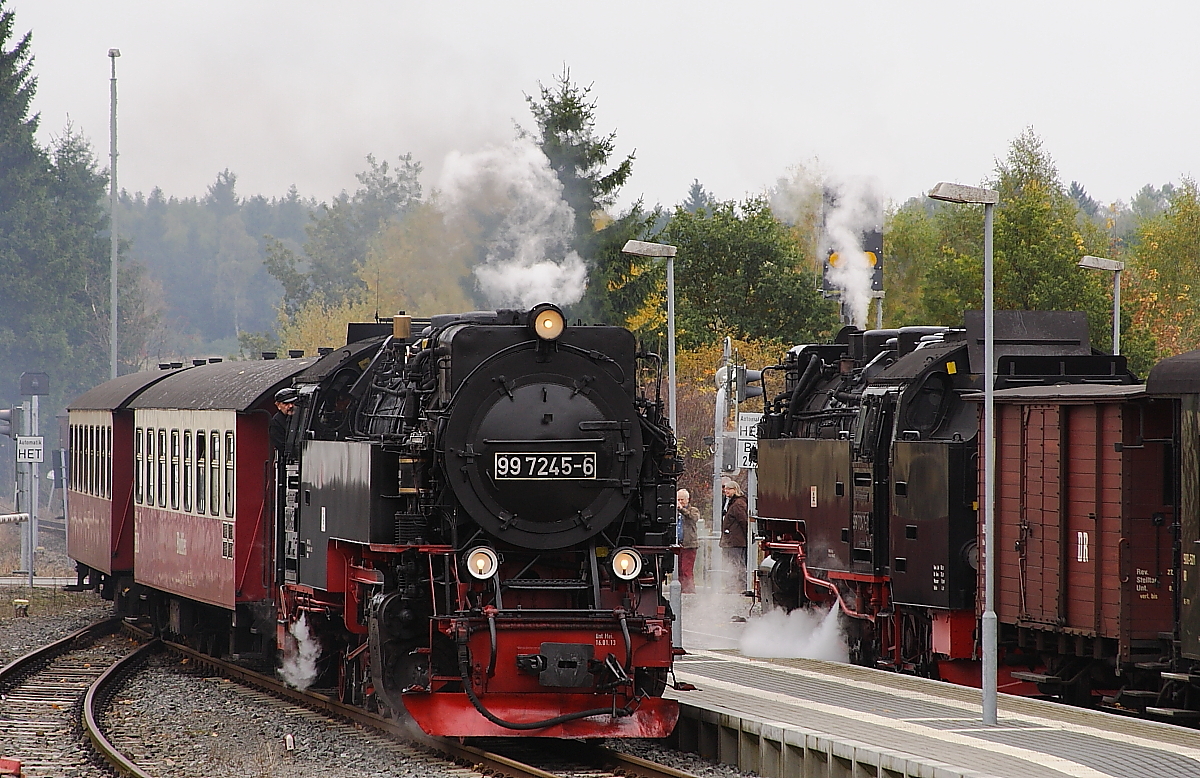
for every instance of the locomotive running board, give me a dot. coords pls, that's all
(450, 714)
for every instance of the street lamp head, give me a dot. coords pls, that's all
(958, 193)
(641, 248)
(114, 53)
(1101, 263)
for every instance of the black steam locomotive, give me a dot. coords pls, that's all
(869, 467)
(482, 512)
(471, 515)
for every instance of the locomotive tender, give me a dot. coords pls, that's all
(868, 497)
(472, 516)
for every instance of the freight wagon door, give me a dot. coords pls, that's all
(1040, 528)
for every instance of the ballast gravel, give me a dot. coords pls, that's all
(179, 722)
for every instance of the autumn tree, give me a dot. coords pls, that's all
(339, 236)
(1164, 284)
(618, 284)
(741, 272)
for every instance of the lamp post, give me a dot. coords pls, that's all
(957, 193)
(641, 248)
(1115, 266)
(112, 214)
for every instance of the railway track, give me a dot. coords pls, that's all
(55, 698)
(47, 697)
(516, 758)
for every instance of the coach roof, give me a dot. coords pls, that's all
(117, 393)
(236, 386)
(1176, 375)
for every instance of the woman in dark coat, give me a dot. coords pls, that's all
(734, 521)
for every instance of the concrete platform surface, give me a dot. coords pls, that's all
(804, 717)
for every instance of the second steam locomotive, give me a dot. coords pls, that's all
(869, 464)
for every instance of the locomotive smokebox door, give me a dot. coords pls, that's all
(543, 446)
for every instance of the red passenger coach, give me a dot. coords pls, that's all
(100, 522)
(201, 487)
(1084, 538)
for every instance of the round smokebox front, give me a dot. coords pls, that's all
(540, 461)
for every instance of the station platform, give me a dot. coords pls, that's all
(803, 718)
(809, 717)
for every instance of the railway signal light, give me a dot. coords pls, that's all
(745, 380)
(6, 422)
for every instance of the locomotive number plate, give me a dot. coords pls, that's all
(540, 467)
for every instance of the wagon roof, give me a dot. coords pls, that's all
(117, 393)
(1176, 375)
(236, 386)
(1066, 392)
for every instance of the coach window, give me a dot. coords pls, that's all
(137, 465)
(229, 474)
(92, 459)
(108, 458)
(162, 468)
(201, 464)
(74, 457)
(214, 473)
(187, 470)
(174, 470)
(149, 465)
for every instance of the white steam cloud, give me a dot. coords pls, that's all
(856, 207)
(849, 207)
(299, 668)
(804, 633)
(511, 197)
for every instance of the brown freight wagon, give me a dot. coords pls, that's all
(1084, 535)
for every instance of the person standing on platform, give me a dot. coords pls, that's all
(734, 520)
(687, 516)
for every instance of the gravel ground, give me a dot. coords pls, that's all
(52, 614)
(184, 723)
(689, 763)
(189, 722)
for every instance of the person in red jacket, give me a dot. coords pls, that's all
(734, 520)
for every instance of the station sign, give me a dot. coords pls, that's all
(747, 442)
(29, 449)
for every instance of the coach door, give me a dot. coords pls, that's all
(1039, 528)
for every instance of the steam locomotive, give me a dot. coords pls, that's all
(471, 515)
(868, 497)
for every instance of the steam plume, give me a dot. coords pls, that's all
(803, 633)
(510, 197)
(299, 668)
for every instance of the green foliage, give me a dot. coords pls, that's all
(1164, 283)
(54, 252)
(205, 258)
(565, 114)
(1038, 240)
(340, 234)
(910, 248)
(741, 272)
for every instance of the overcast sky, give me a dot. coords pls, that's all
(732, 94)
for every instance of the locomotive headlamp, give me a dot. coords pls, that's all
(626, 564)
(482, 563)
(547, 321)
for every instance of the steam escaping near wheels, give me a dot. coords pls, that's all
(805, 633)
(300, 654)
